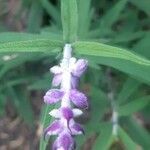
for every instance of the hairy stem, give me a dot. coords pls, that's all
(66, 77)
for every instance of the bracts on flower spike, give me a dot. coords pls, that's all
(66, 77)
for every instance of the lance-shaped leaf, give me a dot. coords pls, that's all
(52, 10)
(105, 139)
(129, 87)
(35, 17)
(115, 57)
(22, 105)
(34, 45)
(134, 106)
(113, 14)
(108, 19)
(69, 19)
(23, 36)
(139, 134)
(127, 141)
(85, 17)
(143, 5)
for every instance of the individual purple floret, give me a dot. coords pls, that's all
(78, 98)
(54, 129)
(64, 141)
(66, 76)
(53, 96)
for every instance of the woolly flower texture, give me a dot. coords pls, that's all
(66, 75)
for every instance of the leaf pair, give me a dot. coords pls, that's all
(115, 57)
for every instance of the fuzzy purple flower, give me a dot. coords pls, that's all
(78, 98)
(64, 142)
(66, 75)
(79, 67)
(53, 96)
(53, 129)
(76, 129)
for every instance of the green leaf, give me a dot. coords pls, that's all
(137, 132)
(85, 17)
(134, 106)
(22, 36)
(35, 17)
(126, 36)
(143, 46)
(99, 49)
(51, 10)
(38, 45)
(129, 87)
(69, 18)
(113, 14)
(127, 141)
(22, 104)
(143, 5)
(118, 58)
(105, 138)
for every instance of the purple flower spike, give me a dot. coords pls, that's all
(64, 142)
(78, 98)
(67, 113)
(53, 129)
(53, 96)
(76, 129)
(66, 75)
(80, 67)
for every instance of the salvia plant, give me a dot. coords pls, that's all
(89, 98)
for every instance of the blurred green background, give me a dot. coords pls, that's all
(24, 77)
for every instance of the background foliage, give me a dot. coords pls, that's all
(112, 35)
